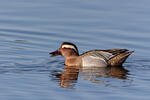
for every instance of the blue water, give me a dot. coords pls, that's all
(29, 30)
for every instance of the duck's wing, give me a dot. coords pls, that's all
(110, 55)
(106, 55)
(119, 59)
(115, 51)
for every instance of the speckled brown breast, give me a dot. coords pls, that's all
(75, 61)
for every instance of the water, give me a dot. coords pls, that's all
(29, 30)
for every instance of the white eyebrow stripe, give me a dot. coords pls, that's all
(69, 46)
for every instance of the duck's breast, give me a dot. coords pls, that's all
(93, 61)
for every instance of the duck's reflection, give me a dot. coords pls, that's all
(69, 76)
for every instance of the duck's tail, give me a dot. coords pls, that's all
(119, 59)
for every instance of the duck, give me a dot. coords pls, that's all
(95, 58)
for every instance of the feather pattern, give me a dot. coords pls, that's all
(99, 54)
(104, 57)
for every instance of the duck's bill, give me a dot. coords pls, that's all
(55, 53)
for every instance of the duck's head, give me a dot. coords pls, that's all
(66, 49)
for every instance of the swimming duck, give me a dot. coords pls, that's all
(96, 58)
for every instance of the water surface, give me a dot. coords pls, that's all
(29, 30)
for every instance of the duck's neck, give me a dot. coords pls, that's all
(72, 61)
